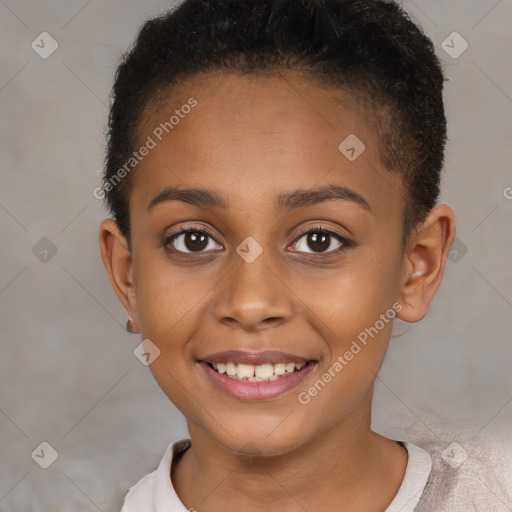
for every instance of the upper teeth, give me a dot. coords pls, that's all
(256, 373)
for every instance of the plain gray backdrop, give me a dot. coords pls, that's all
(68, 375)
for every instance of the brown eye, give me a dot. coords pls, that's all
(320, 241)
(191, 241)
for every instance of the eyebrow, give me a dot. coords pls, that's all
(194, 196)
(207, 198)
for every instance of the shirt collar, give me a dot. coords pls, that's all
(165, 497)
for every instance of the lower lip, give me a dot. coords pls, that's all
(265, 390)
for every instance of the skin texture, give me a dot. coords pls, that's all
(251, 139)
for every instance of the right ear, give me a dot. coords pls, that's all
(118, 264)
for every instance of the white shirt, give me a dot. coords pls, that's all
(155, 492)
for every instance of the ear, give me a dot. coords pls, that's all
(118, 262)
(425, 262)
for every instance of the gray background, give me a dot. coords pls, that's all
(68, 375)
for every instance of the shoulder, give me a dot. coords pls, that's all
(466, 475)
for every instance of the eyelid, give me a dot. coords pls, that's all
(188, 227)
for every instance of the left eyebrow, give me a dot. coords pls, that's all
(207, 198)
(305, 197)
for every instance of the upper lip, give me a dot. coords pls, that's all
(254, 358)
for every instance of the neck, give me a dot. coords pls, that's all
(338, 466)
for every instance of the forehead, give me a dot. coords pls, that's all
(253, 136)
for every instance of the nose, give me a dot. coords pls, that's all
(254, 296)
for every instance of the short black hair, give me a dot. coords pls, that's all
(368, 47)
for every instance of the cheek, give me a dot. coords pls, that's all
(168, 296)
(171, 304)
(352, 298)
(356, 322)
(354, 310)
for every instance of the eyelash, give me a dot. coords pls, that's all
(314, 229)
(324, 231)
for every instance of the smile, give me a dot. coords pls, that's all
(255, 376)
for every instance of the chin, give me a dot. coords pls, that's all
(268, 441)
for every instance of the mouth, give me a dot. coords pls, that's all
(256, 376)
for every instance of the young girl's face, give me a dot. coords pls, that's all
(244, 277)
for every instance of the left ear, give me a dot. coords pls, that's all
(425, 262)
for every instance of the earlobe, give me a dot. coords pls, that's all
(117, 259)
(425, 262)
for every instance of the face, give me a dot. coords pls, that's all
(275, 270)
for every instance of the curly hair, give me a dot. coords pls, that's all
(370, 48)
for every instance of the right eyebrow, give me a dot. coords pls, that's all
(195, 196)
